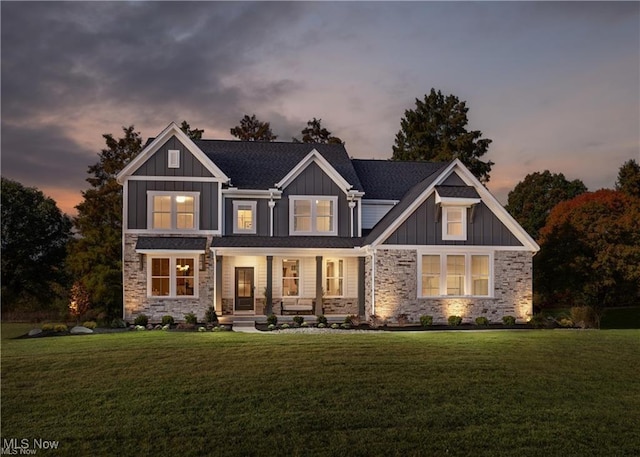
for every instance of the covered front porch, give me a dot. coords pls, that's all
(256, 282)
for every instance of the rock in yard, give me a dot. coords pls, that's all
(35, 331)
(78, 329)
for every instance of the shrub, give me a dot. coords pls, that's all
(426, 321)
(210, 315)
(140, 327)
(321, 319)
(298, 319)
(454, 321)
(165, 327)
(304, 324)
(90, 324)
(285, 326)
(167, 320)
(202, 329)
(47, 327)
(190, 318)
(335, 326)
(345, 326)
(272, 319)
(482, 321)
(539, 320)
(272, 326)
(118, 323)
(565, 322)
(141, 319)
(322, 325)
(508, 320)
(60, 328)
(402, 319)
(585, 317)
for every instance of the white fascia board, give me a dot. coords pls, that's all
(492, 203)
(315, 156)
(447, 248)
(172, 129)
(288, 252)
(380, 202)
(251, 193)
(457, 201)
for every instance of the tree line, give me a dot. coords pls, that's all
(590, 241)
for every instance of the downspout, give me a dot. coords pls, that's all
(352, 205)
(271, 205)
(215, 275)
(373, 282)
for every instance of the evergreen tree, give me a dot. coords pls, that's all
(629, 178)
(35, 234)
(252, 129)
(531, 201)
(194, 134)
(315, 133)
(436, 131)
(95, 258)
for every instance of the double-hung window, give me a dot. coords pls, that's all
(244, 216)
(173, 210)
(334, 278)
(456, 275)
(313, 215)
(290, 278)
(454, 223)
(172, 277)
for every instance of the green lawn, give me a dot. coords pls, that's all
(526, 393)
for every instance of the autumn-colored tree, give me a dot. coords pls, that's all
(252, 129)
(531, 201)
(590, 251)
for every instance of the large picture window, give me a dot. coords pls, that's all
(313, 215)
(172, 277)
(334, 278)
(455, 275)
(173, 210)
(290, 278)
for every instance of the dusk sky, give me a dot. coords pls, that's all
(555, 85)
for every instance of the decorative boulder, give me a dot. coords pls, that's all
(34, 332)
(79, 329)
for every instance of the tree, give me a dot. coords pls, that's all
(34, 238)
(194, 134)
(315, 133)
(252, 129)
(96, 257)
(533, 198)
(629, 178)
(590, 251)
(436, 131)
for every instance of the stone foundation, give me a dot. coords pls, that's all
(396, 290)
(136, 301)
(347, 306)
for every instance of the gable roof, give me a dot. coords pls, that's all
(421, 191)
(260, 165)
(391, 180)
(457, 191)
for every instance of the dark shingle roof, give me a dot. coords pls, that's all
(259, 165)
(391, 180)
(327, 242)
(457, 191)
(177, 243)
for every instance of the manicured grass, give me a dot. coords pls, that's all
(528, 393)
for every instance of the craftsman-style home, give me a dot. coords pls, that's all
(254, 228)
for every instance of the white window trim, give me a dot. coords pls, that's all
(173, 158)
(283, 277)
(314, 231)
(468, 280)
(445, 219)
(172, 276)
(343, 277)
(254, 213)
(157, 193)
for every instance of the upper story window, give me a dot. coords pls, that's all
(455, 275)
(244, 216)
(454, 223)
(173, 210)
(313, 215)
(173, 158)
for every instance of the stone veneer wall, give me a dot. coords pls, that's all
(348, 306)
(135, 289)
(396, 290)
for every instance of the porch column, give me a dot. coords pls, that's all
(360, 286)
(218, 285)
(268, 306)
(319, 285)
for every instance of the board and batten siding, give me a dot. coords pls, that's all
(312, 181)
(421, 228)
(156, 165)
(137, 211)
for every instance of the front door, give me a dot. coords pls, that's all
(244, 288)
